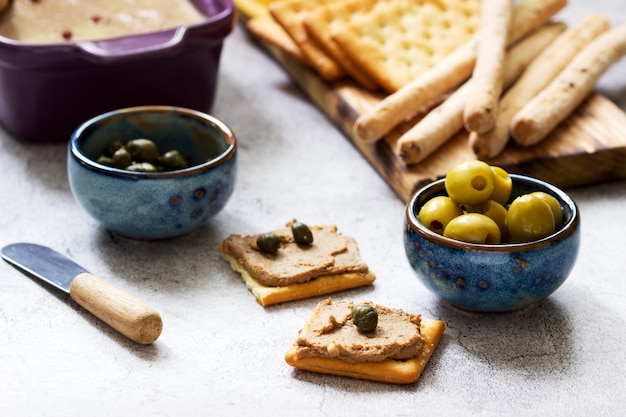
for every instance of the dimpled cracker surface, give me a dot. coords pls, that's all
(324, 20)
(396, 43)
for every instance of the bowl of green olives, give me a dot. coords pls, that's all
(488, 241)
(152, 172)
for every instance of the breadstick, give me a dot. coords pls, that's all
(4, 4)
(457, 67)
(482, 107)
(555, 102)
(537, 76)
(442, 123)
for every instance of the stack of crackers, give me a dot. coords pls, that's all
(379, 44)
(500, 70)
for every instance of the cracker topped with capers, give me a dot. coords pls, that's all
(296, 261)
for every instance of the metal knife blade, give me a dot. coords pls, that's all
(122, 311)
(44, 263)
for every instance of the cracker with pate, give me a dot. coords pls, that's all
(330, 263)
(396, 351)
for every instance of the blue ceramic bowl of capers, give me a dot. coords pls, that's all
(160, 204)
(492, 277)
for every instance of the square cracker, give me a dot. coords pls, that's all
(290, 15)
(322, 21)
(323, 285)
(389, 370)
(397, 43)
(266, 29)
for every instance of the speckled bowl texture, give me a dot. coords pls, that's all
(158, 205)
(492, 278)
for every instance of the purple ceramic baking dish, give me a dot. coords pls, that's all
(47, 90)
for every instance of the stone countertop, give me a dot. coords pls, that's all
(221, 353)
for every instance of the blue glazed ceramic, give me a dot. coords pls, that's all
(492, 278)
(157, 205)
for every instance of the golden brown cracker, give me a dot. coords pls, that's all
(324, 285)
(290, 14)
(397, 43)
(389, 371)
(323, 21)
(253, 8)
(266, 29)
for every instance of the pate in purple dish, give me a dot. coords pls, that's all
(49, 89)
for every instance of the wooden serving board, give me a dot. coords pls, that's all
(588, 147)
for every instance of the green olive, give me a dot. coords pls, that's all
(554, 204)
(143, 150)
(173, 160)
(121, 158)
(268, 242)
(141, 167)
(529, 218)
(365, 317)
(437, 212)
(470, 182)
(301, 233)
(473, 228)
(496, 212)
(502, 186)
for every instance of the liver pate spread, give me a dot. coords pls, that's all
(330, 333)
(45, 21)
(330, 253)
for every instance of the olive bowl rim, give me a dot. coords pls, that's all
(229, 138)
(430, 190)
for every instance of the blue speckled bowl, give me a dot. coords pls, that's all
(154, 205)
(490, 278)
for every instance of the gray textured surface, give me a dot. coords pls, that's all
(222, 354)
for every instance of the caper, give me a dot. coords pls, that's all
(142, 167)
(365, 317)
(104, 160)
(301, 233)
(112, 147)
(121, 158)
(268, 242)
(143, 150)
(174, 160)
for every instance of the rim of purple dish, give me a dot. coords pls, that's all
(220, 21)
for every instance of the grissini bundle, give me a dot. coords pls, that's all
(554, 103)
(443, 122)
(537, 76)
(427, 89)
(487, 78)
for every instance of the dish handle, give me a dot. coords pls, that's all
(133, 47)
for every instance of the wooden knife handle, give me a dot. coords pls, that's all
(120, 310)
